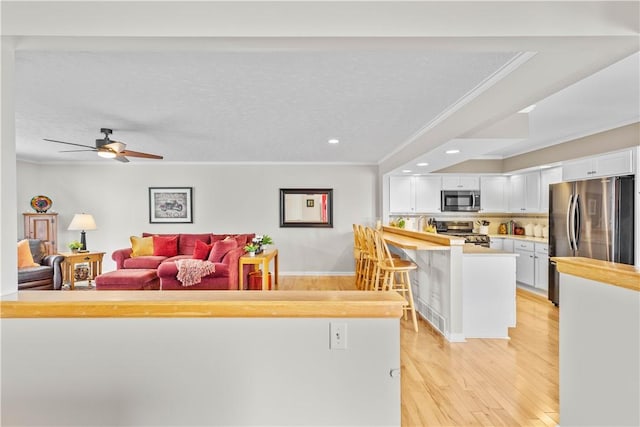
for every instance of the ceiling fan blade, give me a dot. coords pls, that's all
(69, 143)
(139, 154)
(121, 158)
(75, 151)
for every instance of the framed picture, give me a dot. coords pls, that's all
(306, 207)
(170, 204)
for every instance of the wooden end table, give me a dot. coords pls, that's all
(263, 259)
(94, 259)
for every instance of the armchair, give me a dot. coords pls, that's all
(48, 275)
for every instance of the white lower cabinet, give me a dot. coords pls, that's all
(497, 243)
(541, 264)
(525, 269)
(507, 245)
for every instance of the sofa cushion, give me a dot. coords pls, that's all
(25, 259)
(220, 249)
(165, 246)
(201, 250)
(38, 250)
(187, 242)
(32, 274)
(176, 258)
(142, 246)
(144, 262)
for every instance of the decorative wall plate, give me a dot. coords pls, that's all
(41, 204)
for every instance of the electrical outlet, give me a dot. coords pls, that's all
(338, 336)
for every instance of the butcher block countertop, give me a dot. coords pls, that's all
(118, 304)
(418, 240)
(623, 275)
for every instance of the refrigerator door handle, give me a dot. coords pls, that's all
(577, 221)
(570, 222)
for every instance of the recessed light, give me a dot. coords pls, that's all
(333, 141)
(423, 164)
(406, 171)
(452, 151)
(528, 109)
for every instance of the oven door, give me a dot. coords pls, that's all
(455, 201)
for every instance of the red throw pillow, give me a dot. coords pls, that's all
(201, 250)
(220, 249)
(165, 246)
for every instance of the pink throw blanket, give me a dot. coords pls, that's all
(191, 271)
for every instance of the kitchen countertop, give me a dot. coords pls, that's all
(519, 237)
(612, 273)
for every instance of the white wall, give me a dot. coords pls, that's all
(198, 372)
(227, 199)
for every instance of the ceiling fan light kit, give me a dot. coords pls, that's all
(108, 149)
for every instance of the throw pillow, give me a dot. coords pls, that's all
(220, 249)
(201, 250)
(142, 246)
(165, 246)
(25, 259)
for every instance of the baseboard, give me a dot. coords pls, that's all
(455, 337)
(316, 273)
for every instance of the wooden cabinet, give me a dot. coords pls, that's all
(493, 193)
(611, 164)
(43, 227)
(524, 193)
(548, 177)
(460, 182)
(414, 194)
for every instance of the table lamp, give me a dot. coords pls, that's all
(82, 222)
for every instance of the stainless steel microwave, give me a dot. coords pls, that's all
(460, 201)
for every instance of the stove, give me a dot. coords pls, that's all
(463, 229)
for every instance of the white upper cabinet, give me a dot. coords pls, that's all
(618, 163)
(427, 193)
(524, 193)
(548, 177)
(401, 194)
(493, 193)
(460, 182)
(414, 194)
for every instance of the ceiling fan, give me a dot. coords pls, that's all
(109, 149)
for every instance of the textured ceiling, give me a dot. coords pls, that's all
(244, 106)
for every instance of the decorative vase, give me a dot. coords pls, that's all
(251, 253)
(74, 250)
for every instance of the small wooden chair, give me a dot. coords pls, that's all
(396, 276)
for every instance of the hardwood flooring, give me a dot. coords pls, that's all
(483, 382)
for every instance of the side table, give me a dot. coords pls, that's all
(94, 259)
(263, 259)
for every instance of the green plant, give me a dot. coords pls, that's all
(266, 240)
(401, 222)
(251, 247)
(74, 245)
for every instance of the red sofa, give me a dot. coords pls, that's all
(225, 276)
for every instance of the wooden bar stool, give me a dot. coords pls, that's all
(359, 253)
(396, 276)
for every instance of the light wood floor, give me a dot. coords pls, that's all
(478, 383)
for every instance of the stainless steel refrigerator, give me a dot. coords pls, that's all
(593, 219)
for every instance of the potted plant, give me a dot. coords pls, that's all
(251, 248)
(74, 246)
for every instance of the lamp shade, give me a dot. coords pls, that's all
(82, 222)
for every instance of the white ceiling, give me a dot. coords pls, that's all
(396, 87)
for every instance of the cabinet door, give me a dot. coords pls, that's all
(614, 164)
(548, 177)
(578, 169)
(493, 193)
(532, 192)
(516, 193)
(401, 194)
(496, 243)
(507, 245)
(525, 272)
(541, 271)
(427, 190)
(457, 182)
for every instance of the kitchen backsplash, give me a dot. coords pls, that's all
(412, 221)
